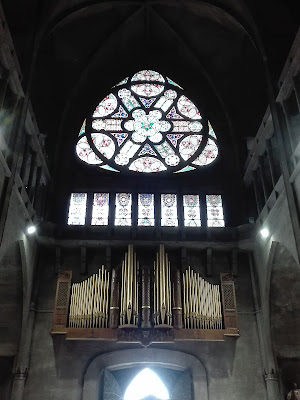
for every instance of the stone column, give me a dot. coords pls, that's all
(177, 302)
(272, 385)
(114, 301)
(146, 323)
(22, 364)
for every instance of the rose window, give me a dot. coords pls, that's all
(147, 124)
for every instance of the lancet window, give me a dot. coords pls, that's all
(77, 209)
(146, 209)
(214, 207)
(147, 124)
(191, 207)
(123, 209)
(100, 209)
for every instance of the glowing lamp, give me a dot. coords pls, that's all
(265, 233)
(31, 229)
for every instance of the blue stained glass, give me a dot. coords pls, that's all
(173, 114)
(147, 149)
(173, 83)
(138, 120)
(120, 137)
(82, 129)
(121, 113)
(109, 168)
(174, 138)
(185, 169)
(147, 102)
(211, 132)
(122, 82)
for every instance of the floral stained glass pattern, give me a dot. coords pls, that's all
(208, 155)
(100, 209)
(214, 208)
(147, 124)
(106, 106)
(77, 209)
(191, 210)
(123, 209)
(86, 153)
(169, 210)
(147, 75)
(146, 209)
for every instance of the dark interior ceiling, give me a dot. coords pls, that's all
(83, 47)
(77, 50)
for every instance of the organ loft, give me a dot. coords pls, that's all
(149, 200)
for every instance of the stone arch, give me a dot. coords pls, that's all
(282, 311)
(144, 357)
(11, 292)
(283, 291)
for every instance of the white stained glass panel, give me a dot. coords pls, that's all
(214, 207)
(77, 209)
(146, 209)
(147, 75)
(123, 209)
(191, 209)
(85, 152)
(106, 106)
(169, 210)
(100, 209)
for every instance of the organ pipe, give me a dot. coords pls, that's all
(162, 289)
(201, 302)
(89, 301)
(129, 289)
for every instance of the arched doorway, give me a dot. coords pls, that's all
(109, 375)
(146, 383)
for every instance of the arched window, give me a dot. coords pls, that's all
(146, 383)
(147, 124)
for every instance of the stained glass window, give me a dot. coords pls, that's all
(169, 210)
(100, 209)
(77, 209)
(123, 209)
(147, 124)
(146, 209)
(214, 207)
(191, 209)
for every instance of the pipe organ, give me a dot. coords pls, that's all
(89, 302)
(129, 289)
(201, 302)
(146, 297)
(162, 289)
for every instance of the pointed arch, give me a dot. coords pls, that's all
(145, 358)
(146, 383)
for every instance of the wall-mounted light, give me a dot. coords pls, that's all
(31, 229)
(265, 233)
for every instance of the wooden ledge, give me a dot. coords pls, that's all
(144, 336)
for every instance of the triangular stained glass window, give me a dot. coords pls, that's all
(146, 126)
(174, 138)
(121, 113)
(120, 137)
(147, 149)
(172, 114)
(147, 102)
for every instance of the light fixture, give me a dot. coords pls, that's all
(265, 233)
(31, 229)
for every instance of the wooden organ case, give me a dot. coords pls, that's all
(142, 304)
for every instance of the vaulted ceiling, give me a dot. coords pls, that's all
(76, 50)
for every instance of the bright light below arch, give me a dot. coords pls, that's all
(146, 383)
